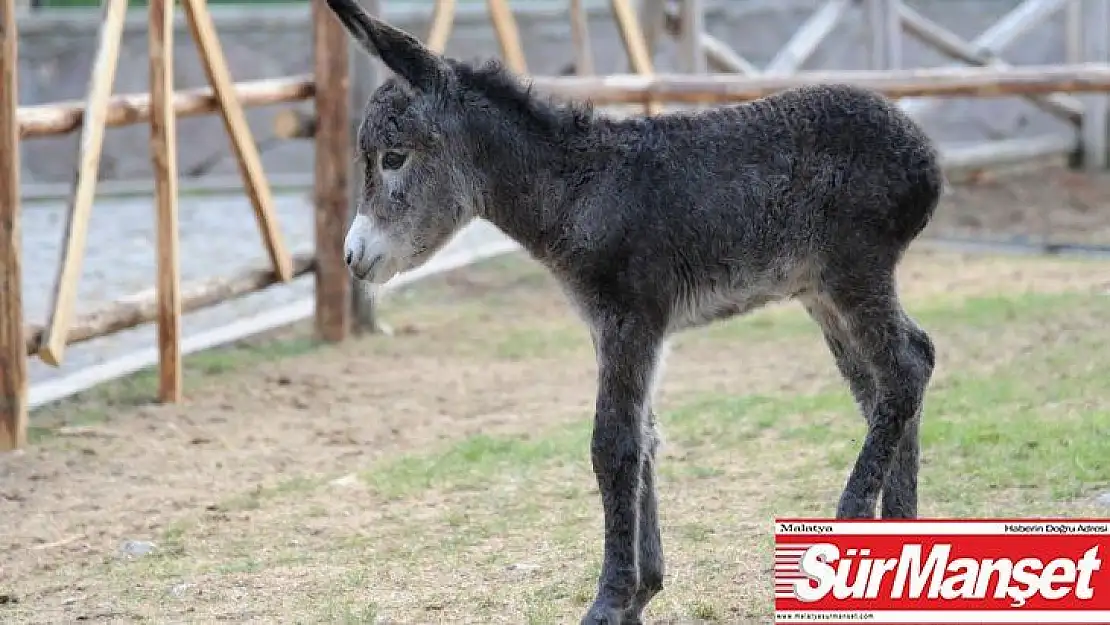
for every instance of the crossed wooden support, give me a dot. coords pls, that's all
(1087, 24)
(164, 162)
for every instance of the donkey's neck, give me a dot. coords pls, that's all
(527, 192)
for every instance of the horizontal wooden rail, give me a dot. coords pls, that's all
(59, 118)
(721, 88)
(142, 307)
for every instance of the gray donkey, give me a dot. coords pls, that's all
(657, 224)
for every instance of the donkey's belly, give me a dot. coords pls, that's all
(706, 306)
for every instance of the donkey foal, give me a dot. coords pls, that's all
(653, 225)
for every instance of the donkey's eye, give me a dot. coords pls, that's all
(393, 160)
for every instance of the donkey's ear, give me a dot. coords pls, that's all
(400, 51)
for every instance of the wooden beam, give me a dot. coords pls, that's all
(13, 359)
(690, 43)
(1000, 35)
(84, 186)
(722, 88)
(294, 124)
(951, 44)
(718, 53)
(885, 22)
(634, 44)
(443, 21)
(1073, 31)
(1095, 129)
(242, 143)
(653, 17)
(580, 36)
(504, 24)
(805, 41)
(163, 156)
(333, 155)
(1023, 18)
(59, 118)
(1006, 152)
(142, 307)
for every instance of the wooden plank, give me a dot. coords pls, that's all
(722, 88)
(951, 44)
(1095, 130)
(690, 43)
(634, 44)
(1006, 152)
(142, 307)
(653, 16)
(242, 143)
(294, 124)
(333, 156)
(163, 156)
(1073, 31)
(718, 53)
(443, 20)
(580, 36)
(59, 118)
(13, 358)
(724, 57)
(1023, 18)
(84, 186)
(885, 23)
(504, 24)
(804, 42)
(240, 329)
(993, 41)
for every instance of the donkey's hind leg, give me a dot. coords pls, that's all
(862, 319)
(899, 492)
(900, 486)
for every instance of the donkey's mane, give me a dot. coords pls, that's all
(512, 96)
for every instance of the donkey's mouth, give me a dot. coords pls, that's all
(365, 270)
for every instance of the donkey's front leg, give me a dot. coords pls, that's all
(627, 353)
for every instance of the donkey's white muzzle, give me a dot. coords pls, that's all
(366, 251)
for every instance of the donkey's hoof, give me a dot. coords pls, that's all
(603, 614)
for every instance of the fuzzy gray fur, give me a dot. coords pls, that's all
(657, 224)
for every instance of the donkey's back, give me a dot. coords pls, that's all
(810, 161)
(737, 206)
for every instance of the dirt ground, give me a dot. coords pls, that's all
(487, 351)
(1051, 203)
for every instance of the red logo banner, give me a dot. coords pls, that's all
(975, 571)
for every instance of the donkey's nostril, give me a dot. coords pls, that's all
(348, 256)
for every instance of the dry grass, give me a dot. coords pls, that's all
(443, 475)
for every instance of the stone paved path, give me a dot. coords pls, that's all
(219, 237)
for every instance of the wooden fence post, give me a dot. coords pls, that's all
(885, 21)
(163, 160)
(1095, 129)
(82, 195)
(13, 354)
(333, 155)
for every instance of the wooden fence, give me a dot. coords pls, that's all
(329, 127)
(160, 108)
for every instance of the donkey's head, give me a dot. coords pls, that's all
(420, 186)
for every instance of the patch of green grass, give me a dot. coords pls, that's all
(350, 612)
(522, 511)
(1042, 423)
(474, 461)
(936, 313)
